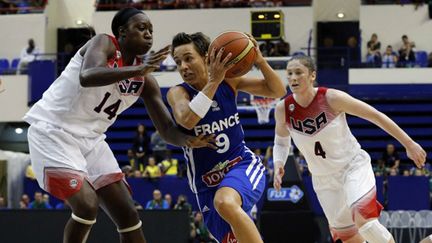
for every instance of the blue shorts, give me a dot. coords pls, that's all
(248, 180)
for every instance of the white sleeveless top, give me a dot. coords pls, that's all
(322, 136)
(86, 112)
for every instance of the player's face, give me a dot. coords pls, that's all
(190, 64)
(299, 77)
(139, 34)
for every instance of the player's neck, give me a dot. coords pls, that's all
(305, 98)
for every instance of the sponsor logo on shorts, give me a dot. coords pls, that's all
(73, 183)
(215, 175)
(293, 194)
(229, 238)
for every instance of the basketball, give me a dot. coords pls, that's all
(242, 49)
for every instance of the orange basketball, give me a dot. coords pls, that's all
(242, 49)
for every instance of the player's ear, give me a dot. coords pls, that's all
(206, 58)
(122, 31)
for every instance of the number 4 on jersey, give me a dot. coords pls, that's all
(319, 151)
(111, 110)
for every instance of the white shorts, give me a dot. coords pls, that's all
(62, 161)
(339, 191)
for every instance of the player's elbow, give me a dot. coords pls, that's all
(280, 93)
(84, 80)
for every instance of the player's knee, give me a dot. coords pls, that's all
(87, 207)
(366, 208)
(225, 206)
(374, 232)
(129, 217)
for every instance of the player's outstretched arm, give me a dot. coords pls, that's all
(163, 121)
(343, 102)
(94, 71)
(269, 86)
(282, 144)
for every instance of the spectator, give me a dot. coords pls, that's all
(379, 168)
(406, 173)
(140, 146)
(418, 172)
(25, 199)
(159, 146)
(202, 233)
(127, 170)
(354, 51)
(373, 55)
(157, 202)
(169, 165)
(182, 204)
(29, 173)
(389, 58)
(152, 171)
(282, 48)
(22, 205)
(46, 199)
(406, 53)
(132, 159)
(38, 202)
(136, 174)
(168, 199)
(2, 203)
(390, 158)
(28, 55)
(393, 172)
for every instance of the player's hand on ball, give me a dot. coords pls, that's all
(417, 154)
(278, 174)
(218, 66)
(201, 141)
(259, 57)
(153, 62)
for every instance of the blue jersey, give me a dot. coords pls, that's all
(206, 166)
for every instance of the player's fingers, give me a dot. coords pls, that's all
(212, 54)
(212, 146)
(225, 61)
(219, 54)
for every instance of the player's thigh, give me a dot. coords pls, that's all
(57, 160)
(359, 178)
(102, 166)
(330, 194)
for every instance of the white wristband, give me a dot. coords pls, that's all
(281, 149)
(200, 104)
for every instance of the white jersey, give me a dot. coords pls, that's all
(322, 136)
(86, 112)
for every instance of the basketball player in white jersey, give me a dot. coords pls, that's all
(69, 155)
(342, 174)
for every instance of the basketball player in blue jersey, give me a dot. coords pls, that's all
(227, 181)
(69, 155)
